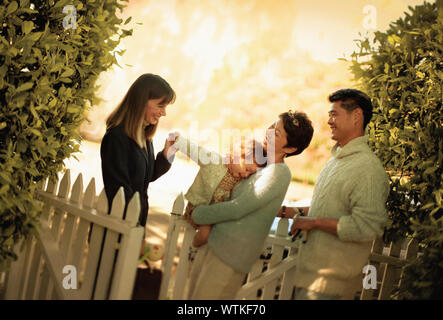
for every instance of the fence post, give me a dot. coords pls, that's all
(95, 242)
(377, 247)
(127, 260)
(181, 273)
(108, 251)
(391, 273)
(269, 290)
(171, 244)
(411, 254)
(78, 250)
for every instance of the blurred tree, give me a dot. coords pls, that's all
(51, 54)
(402, 69)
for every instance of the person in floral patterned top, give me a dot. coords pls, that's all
(216, 179)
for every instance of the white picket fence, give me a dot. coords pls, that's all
(77, 231)
(389, 261)
(101, 250)
(272, 276)
(276, 280)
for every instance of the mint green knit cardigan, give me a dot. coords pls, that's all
(243, 223)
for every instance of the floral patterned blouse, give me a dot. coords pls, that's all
(221, 193)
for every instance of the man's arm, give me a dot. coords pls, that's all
(368, 203)
(367, 217)
(309, 223)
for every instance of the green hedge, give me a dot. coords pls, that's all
(402, 70)
(47, 83)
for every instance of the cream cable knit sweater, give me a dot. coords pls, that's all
(353, 188)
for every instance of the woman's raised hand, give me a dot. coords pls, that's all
(169, 150)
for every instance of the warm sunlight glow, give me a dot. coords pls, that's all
(237, 65)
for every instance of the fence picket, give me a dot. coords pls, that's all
(171, 244)
(47, 212)
(65, 184)
(169, 256)
(277, 255)
(77, 190)
(34, 272)
(89, 196)
(377, 247)
(94, 248)
(52, 186)
(46, 288)
(287, 284)
(45, 280)
(411, 254)
(109, 248)
(78, 251)
(255, 272)
(102, 203)
(70, 225)
(391, 273)
(15, 277)
(127, 257)
(183, 263)
(59, 215)
(41, 185)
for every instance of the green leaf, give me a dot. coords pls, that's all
(52, 103)
(27, 26)
(25, 86)
(36, 132)
(34, 36)
(430, 170)
(4, 189)
(61, 3)
(12, 7)
(67, 73)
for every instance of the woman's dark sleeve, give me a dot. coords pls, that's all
(114, 152)
(161, 166)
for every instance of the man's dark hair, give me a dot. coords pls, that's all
(352, 99)
(299, 130)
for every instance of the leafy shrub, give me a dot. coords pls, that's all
(402, 70)
(47, 82)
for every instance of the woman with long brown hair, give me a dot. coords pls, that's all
(126, 151)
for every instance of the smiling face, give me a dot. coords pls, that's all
(155, 108)
(276, 140)
(343, 123)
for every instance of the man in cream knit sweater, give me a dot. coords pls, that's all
(347, 209)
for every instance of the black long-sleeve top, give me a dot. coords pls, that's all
(125, 164)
